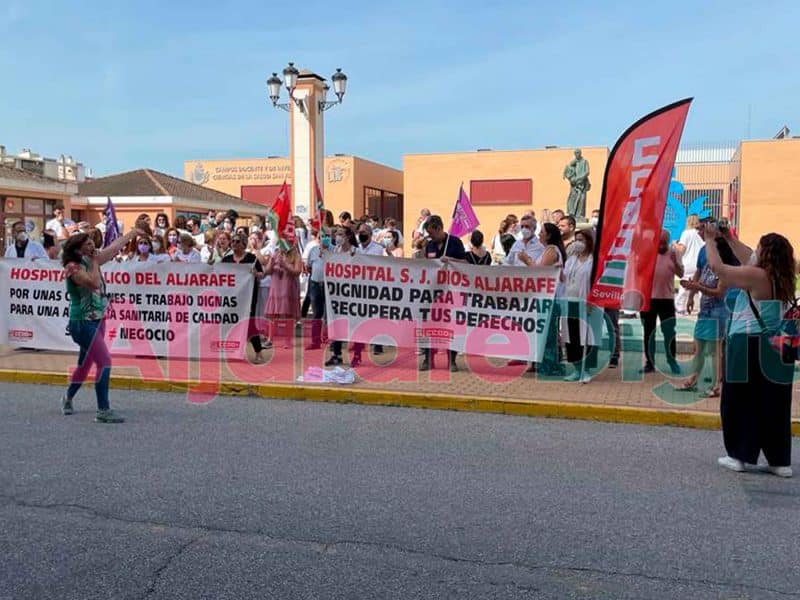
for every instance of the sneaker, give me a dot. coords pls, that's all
(108, 416)
(586, 379)
(453, 367)
(780, 471)
(613, 363)
(424, 366)
(648, 369)
(66, 405)
(333, 361)
(731, 463)
(574, 377)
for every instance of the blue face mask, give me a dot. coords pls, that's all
(326, 241)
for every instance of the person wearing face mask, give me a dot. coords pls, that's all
(172, 237)
(159, 252)
(23, 246)
(283, 303)
(316, 288)
(366, 245)
(313, 242)
(594, 221)
(392, 244)
(526, 251)
(583, 321)
(162, 224)
(662, 306)
(756, 402)
(143, 248)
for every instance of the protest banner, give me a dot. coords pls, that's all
(635, 188)
(483, 310)
(154, 309)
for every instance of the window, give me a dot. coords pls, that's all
(383, 204)
(502, 191)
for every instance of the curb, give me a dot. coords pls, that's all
(477, 404)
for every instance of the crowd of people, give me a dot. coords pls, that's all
(741, 294)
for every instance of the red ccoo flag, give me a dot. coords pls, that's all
(632, 209)
(279, 215)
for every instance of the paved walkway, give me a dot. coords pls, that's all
(393, 372)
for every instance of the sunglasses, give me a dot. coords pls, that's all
(237, 241)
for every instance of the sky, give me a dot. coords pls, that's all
(126, 85)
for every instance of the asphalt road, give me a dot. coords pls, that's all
(250, 498)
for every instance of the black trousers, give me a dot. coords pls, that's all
(577, 352)
(427, 355)
(252, 331)
(316, 296)
(756, 402)
(664, 310)
(614, 337)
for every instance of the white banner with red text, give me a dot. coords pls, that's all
(174, 310)
(481, 310)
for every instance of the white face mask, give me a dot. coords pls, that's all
(753, 261)
(595, 221)
(339, 240)
(156, 246)
(526, 232)
(22, 237)
(578, 247)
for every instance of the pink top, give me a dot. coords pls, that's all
(664, 277)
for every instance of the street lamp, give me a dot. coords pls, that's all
(290, 75)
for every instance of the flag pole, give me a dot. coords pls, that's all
(452, 218)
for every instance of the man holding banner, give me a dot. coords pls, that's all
(446, 248)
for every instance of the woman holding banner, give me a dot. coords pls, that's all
(756, 403)
(88, 301)
(240, 256)
(553, 256)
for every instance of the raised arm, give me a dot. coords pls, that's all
(103, 255)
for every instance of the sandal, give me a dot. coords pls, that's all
(711, 393)
(687, 387)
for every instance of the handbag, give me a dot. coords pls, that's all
(785, 338)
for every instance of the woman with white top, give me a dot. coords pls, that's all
(222, 248)
(583, 320)
(756, 403)
(186, 252)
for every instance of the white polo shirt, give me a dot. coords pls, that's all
(533, 248)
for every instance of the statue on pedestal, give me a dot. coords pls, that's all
(577, 173)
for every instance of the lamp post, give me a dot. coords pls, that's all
(306, 105)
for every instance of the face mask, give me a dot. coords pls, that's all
(212, 221)
(753, 260)
(173, 239)
(526, 232)
(339, 240)
(144, 248)
(326, 241)
(254, 228)
(386, 242)
(579, 247)
(227, 226)
(22, 237)
(363, 237)
(595, 221)
(156, 246)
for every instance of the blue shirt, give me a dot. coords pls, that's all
(455, 248)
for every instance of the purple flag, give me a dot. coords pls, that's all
(464, 218)
(110, 220)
